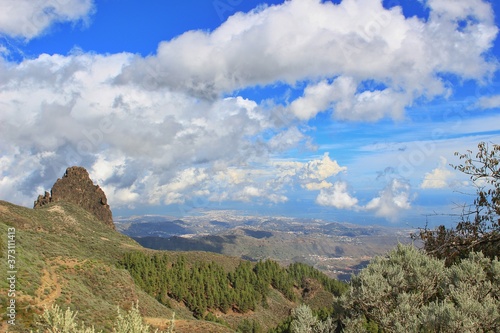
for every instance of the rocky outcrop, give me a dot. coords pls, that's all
(77, 187)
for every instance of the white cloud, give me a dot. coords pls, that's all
(343, 97)
(232, 176)
(105, 167)
(317, 98)
(461, 9)
(123, 196)
(439, 177)
(155, 129)
(321, 169)
(248, 193)
(263, 183)
(28, 19)
(318, 186)
(288, 139)
(75, 117)
(184, 182)
(311, 175)
(337, 196)
(392, 200)
(350, 42)
(490, 102)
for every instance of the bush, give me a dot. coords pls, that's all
(304, 321)
(55, 320)
(409, 291)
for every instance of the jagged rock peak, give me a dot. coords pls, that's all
(77, 187)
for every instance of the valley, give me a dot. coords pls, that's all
(337, 249)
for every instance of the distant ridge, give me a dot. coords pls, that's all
(77, 187)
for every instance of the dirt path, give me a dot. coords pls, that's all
(161, 323)
(50, 287)
(49, 282)
(49, 290)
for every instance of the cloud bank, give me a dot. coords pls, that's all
(172, 126)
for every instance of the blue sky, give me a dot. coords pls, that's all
(346, 110)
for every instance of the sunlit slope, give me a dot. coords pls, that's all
(65, 256)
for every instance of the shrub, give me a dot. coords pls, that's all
(409, 291)
(304, 321)
(55, 320)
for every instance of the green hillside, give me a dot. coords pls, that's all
(65, 256)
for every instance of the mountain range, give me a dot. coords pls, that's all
(66, 256)
(214, 272)
(337, 249)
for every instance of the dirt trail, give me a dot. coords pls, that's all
(41, 299)
(49, 282)
(161, 323)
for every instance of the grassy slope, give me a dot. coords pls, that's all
(65, 256)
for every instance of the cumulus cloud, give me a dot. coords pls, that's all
(391, 200)
(74, 116)
(184, 181)
(265, 183)
(161, 129)
(249, 193)
(350, 42)
(490, 102)
(437, 178)
(344, 98)
(318, 186)
(28, 19)
(317, 97)
(312, 175)
(337, 196)
(321, 169)
(460, 9)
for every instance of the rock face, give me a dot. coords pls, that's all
(77, 187)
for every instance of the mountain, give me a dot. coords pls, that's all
(77, 187)
(337, 249)
(65, 255)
